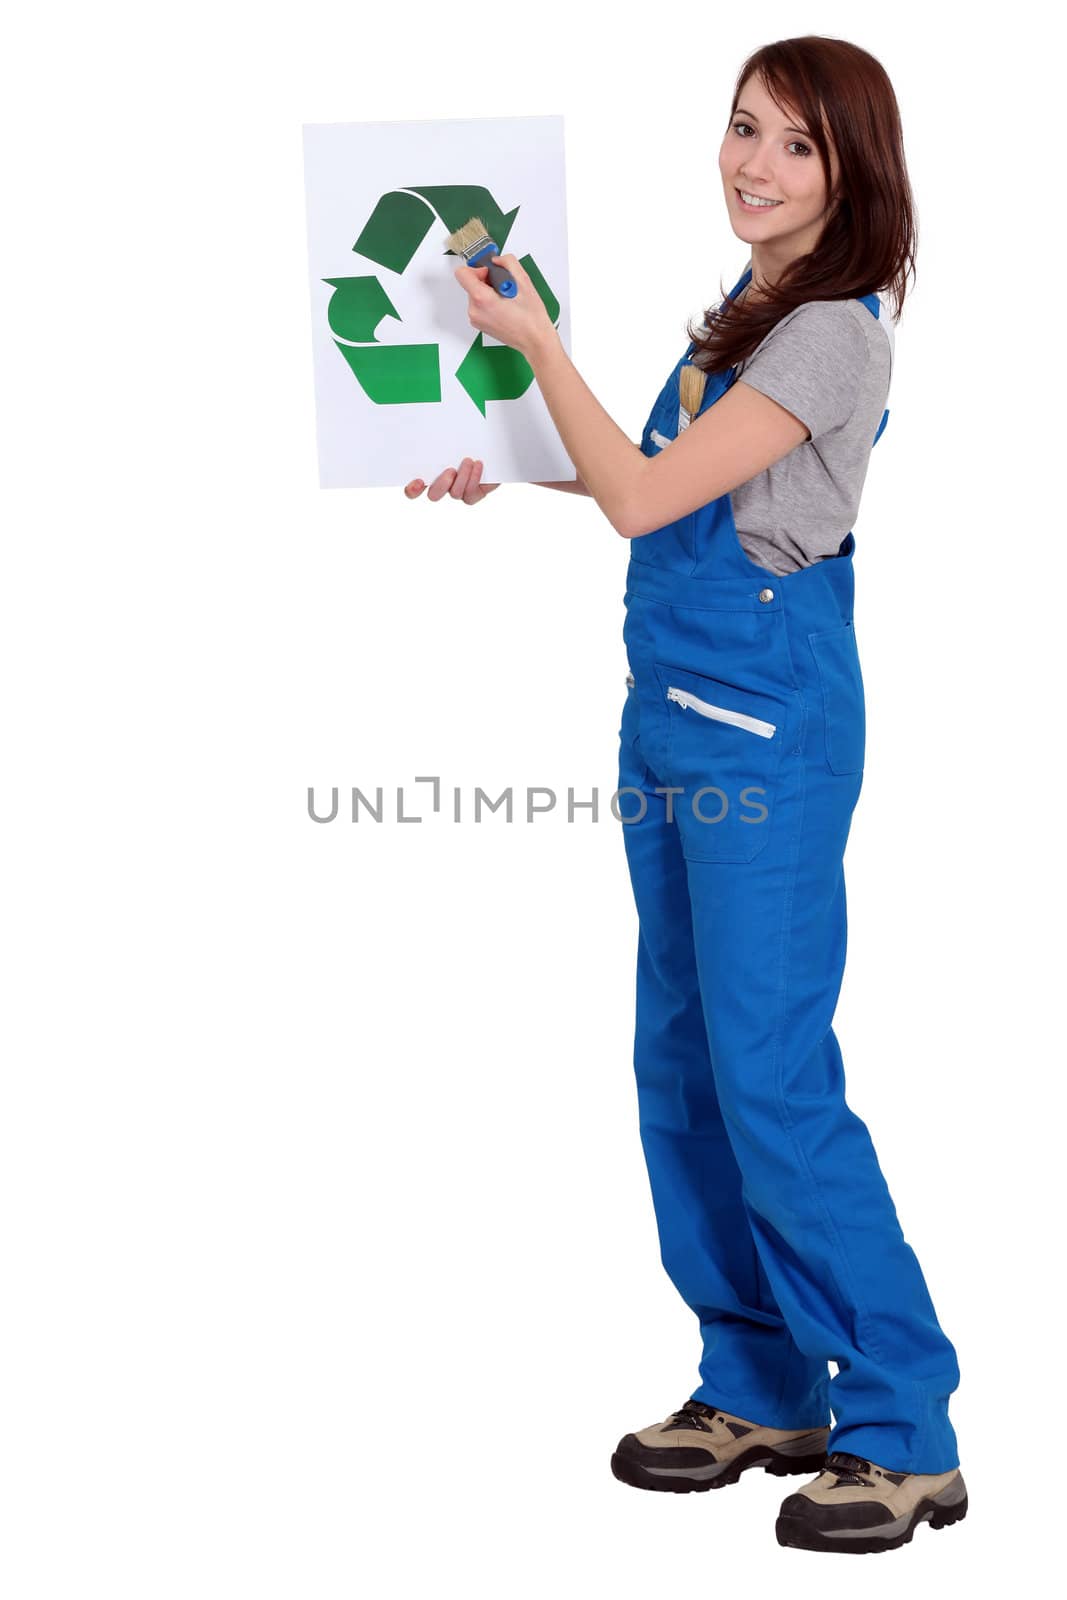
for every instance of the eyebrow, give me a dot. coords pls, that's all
(742, 112)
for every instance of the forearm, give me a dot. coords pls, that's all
(607, 462)
(567, 486)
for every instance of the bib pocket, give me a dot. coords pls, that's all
(723, 750)
(844, 717)
(671, 546)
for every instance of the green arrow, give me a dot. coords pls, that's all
(493, 372)
(389, 374)
(395, 374)
(400, 222)
(551, 304)
(394, 230)
(356, 308)
(457, 203)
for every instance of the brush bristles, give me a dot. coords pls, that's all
(691, 388)
(466, 241)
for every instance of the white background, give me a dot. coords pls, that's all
(329, 1262)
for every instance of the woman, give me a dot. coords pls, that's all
(741, 757)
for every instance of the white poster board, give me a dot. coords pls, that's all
(404, 385)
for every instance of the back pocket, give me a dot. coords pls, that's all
(723, 750)
(844, 716)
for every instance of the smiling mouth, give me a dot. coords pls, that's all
(763, 205)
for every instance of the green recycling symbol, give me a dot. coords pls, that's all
(405, 374)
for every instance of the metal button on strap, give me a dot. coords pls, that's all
(766, 594)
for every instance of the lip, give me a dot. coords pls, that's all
(752, 210)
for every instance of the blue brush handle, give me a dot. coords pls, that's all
(499, 276)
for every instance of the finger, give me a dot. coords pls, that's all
(414, 488)
(441, 484)
(458, 490)
(474, 484)
(471, 277)
(513, 264)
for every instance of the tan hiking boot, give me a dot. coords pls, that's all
(701, 1447)
(858, 1507)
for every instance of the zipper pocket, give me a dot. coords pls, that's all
(739, 719)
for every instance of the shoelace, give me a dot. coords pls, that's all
(847, 1468)
(691, 1415)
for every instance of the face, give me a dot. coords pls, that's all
(764, 155)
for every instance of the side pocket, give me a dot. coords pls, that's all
(844, 717)
(723, 752)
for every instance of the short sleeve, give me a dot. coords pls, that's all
(812, 362)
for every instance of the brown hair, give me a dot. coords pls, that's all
(869, 238)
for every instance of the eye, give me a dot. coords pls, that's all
(737, 127)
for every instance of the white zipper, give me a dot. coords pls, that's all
(658, 438)
(720, 713)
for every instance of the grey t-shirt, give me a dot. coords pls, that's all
(828, 362)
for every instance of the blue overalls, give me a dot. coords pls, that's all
(745, 703)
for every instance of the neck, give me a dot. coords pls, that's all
(770, 261)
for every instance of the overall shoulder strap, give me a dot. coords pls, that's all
(734, 292)
(878, 306)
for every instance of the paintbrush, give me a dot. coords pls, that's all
(690, 392)
(473, 243)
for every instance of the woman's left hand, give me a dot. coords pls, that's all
(521, 322)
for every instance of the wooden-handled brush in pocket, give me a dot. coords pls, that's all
(691, 383)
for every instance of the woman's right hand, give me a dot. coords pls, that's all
(462, 483)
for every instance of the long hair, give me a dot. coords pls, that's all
(868, 241)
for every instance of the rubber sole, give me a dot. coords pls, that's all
(797, 1533)
(779, 1466)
